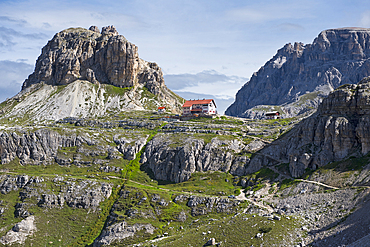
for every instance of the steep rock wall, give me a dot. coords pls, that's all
(177, 162)
(338, 129)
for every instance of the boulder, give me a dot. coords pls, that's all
(19, 233)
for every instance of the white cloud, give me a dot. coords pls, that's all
(12, 76)
(272, 10)
(365, 19)
(206, 82)
(290, 27)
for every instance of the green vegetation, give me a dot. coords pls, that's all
(287, 183)
(350, 164)
(58, 90)
(113, 90)
(208, 183)
(55, 225)
(218, 120)
(223, 230)
(92, 232)
(263, 174)
(79, 227)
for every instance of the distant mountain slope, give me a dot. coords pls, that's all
(82, 72)
(336, 57)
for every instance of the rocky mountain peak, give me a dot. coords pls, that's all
(109, 30)
(91, 62)
(78, 53)
(336, 57)
(106, 57)
(350, 43)
(94, 29)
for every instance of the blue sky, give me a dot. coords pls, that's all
(205, 48)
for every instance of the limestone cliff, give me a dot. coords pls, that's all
(336, 57)
(78, 71)
(339, 129)
(174, 161)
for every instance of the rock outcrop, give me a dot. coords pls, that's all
(85, 194)
(19, 233)
(176, 162)
(336, 57)
(120, 231)
(41, 147)
(74, 75)
(338, 129)
(78, 53)
(36, 147)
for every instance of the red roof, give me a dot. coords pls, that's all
(161, 107)
(189, 103)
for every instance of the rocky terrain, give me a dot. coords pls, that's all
(134, 177)
(299, 75)
(84, 73)
(337, 130)
(147, 182)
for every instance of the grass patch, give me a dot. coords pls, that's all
(346, 166)
(223, 231)
(287, 183)
(209, 183)
(113, 90)
(218, 120)
(263, 174)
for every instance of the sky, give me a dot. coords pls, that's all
(206, 48)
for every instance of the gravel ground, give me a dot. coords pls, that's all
(328, 217)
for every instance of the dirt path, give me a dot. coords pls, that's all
(242, 197)
(303, 180)
(318, 183)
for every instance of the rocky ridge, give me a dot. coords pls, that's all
(336, 57)
(42, 147)
(336, 131)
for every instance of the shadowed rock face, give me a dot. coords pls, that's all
(336, 57)
(338, 129)
(105, 57)
(177, 163)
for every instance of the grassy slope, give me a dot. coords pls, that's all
(80, 223)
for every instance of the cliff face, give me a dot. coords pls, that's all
(336, 57)
(105, 57)
(174, 162)
(338, 129)
(41, 148)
